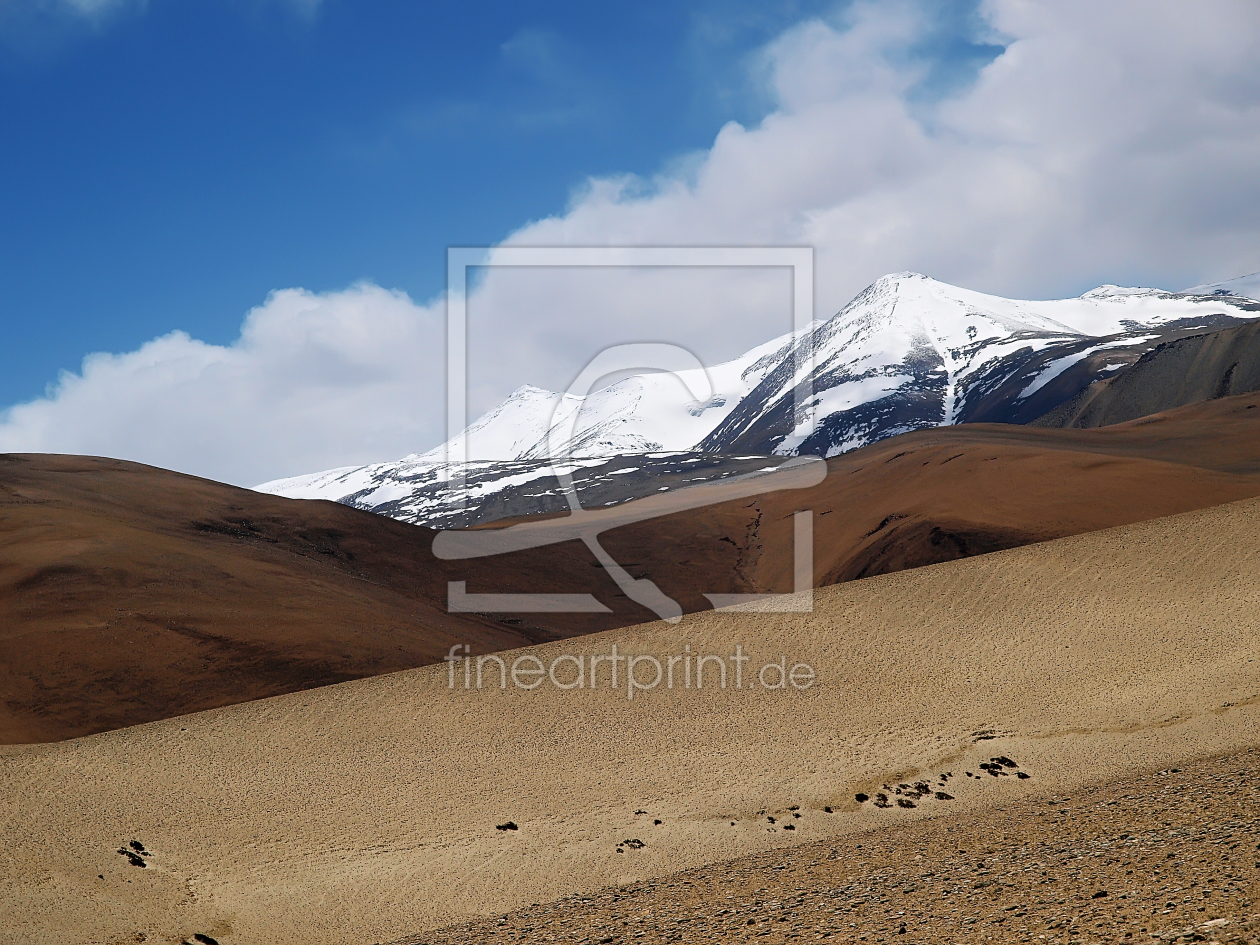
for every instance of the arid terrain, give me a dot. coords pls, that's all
(1165, 856)
(130, 594)
(383, 808)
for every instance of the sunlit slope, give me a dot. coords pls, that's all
(368, 810)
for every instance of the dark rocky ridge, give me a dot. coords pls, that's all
(1183, 370)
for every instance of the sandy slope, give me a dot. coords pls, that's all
(366, 811)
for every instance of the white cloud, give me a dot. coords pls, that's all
(1110, 142)
(1108, 139)
(313, 381)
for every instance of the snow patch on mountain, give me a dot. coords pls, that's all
(1247, 287)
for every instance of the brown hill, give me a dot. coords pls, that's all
(1174, 374)
(129, 594)
(939, 495)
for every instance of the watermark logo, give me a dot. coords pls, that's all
(584, 524)
(635, 673)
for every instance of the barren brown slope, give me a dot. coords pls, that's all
(939, 495)
(129, 593)
(367, 811)
(1164, 856)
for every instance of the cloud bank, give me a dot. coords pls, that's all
(313, 381)
(1108, 143)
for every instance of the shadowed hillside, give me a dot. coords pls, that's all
(1174, 374)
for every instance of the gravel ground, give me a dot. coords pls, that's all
(1168, 856)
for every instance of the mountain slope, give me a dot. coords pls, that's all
(911, 352)
(1242, 287)
(1184, 371)
(954, 492)
(129, 593)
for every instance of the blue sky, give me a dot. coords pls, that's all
(279, 180)
(165, 165)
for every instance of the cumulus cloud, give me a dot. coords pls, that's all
(1108, 143)
(313, 381)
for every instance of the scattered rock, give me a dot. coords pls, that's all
(133, 857)
(1036, 872)
(859, 797)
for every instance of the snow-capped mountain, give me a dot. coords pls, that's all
(908, 353)
(641, 414)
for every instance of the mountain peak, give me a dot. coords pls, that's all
(530, 392)
(1118, 291)
(904, 276)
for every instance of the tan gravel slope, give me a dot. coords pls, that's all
(367, 811)
(1166, 856)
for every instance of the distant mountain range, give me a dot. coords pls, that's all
(1247, 287)
(908, 353)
